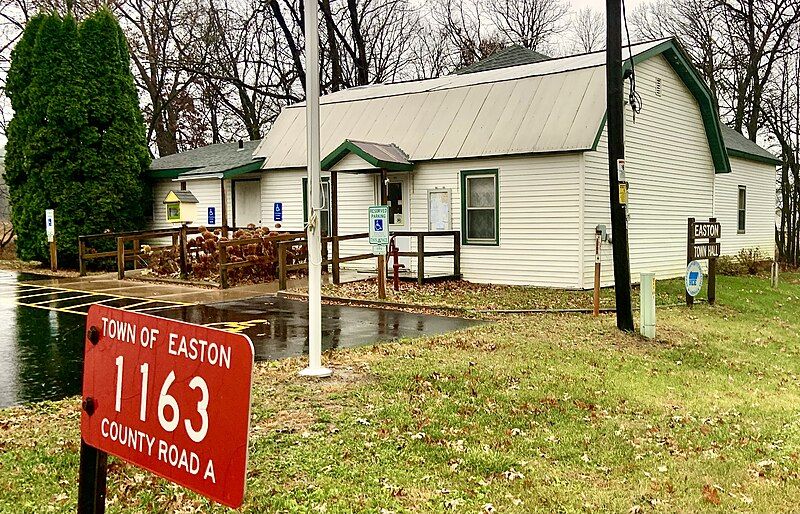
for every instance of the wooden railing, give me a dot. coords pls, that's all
(86, 253)
(420, 254)
(225, 265)
(335, 260)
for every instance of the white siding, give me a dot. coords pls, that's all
(207, 193)
(539, 216)
(286, 187)
(760, 182)
(671, 175)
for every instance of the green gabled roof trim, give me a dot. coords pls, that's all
(241, 170)
(679, 61)
(753, 157)
(349, 147)
(168, 173)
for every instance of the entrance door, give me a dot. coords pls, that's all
(398, 199)
(246, 202)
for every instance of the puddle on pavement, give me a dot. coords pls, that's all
(279, 328)
(41, 349)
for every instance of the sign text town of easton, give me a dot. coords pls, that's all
(171, 397)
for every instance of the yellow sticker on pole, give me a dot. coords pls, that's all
(623, 193)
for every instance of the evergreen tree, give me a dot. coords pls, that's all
(76, 143)
(118, 157)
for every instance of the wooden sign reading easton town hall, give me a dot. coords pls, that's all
(704, 230)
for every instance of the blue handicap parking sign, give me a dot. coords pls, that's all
(212, 215)
(378, 225)
(277, 211)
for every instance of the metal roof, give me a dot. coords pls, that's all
(514, 55)
(388, 157)
(548, 106)
(740, 146)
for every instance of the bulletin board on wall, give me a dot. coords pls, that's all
(439, 209)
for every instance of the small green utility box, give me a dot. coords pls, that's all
(181, 207)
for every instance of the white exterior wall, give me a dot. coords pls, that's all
(760, 182)
(671, 175)
(207, 193)
(539, 216)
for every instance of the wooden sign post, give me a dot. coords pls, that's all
(711, 231)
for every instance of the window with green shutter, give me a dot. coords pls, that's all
(480, 207)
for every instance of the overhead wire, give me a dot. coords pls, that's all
(634, 98)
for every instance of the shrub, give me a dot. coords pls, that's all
(729, 265)
(203, 256)
(749, 261)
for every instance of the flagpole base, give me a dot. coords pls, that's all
(316, 372)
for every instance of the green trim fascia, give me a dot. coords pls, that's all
(245, 168)
(600, 132)
(349, 147)
(463, 194)
(681, 64)
(754, 157)
(168, 173)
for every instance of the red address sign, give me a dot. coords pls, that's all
(171, 397)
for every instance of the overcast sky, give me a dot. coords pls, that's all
(600, 5)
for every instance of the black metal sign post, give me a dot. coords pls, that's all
(712, 231)
(93, 465)
(92, 480)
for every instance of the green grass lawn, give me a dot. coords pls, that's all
(542, 413)
(474, 298)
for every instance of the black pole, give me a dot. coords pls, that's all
(616, 151)
(92, 480)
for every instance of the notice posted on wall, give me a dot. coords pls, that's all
(439, 217)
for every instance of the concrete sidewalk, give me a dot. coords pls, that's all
(108, 284)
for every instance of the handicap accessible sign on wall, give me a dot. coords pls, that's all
(212, 215)
(277, 211)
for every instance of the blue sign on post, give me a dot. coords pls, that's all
(378, 225)
(694, 278)
(277, 211)
(212, 215)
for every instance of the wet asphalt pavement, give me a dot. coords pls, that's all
(41, 343)
(279, 327)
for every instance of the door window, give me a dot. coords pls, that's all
(396, 203)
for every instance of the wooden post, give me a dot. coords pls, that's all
(53, 256)
(282, 266)
(224, 207)
(776, 268)
(81, 259)
(223, 268)
(712, 270)
(334, 185)
(136, 249)
(92, 474)
(120, 258)
(184, 258)
(382, 258)
(689, 254)
(597, 244)
(457, 254)
(420, 259)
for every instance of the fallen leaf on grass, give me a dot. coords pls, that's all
(710, 494)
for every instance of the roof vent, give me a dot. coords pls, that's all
(241, 144)
(658, 86)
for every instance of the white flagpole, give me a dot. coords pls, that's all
(314, 368)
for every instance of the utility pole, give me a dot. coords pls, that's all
(314, 368)
(616, 155)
